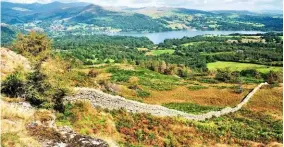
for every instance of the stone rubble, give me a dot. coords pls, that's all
(104, 100)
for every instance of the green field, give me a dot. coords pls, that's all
(147, 78)
(159, 52)
(241, 66)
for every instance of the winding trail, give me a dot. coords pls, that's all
(104, 100)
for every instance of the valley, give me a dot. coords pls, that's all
(89, 19)
(180, 78)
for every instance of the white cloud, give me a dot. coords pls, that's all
(193, 4)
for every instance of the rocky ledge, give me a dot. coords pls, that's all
(62, 137)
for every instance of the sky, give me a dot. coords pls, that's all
(192, 4)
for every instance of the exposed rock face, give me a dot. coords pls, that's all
(76, 140)
(63, 137)
(101, 99)
(11, 60)
(43, 127)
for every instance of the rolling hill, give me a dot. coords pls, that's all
(146, 19)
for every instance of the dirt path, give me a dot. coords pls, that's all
(104, 100)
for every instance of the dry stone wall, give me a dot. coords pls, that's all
(104, 100)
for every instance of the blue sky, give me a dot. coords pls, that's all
(193, 4)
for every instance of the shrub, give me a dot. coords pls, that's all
(35, 46)
(223, 75)
(273, 77)
(37, 88)
(33, 96)
(251, 73)
(58, 100)
(235, 76)
(93, 73)
(251, 80)
(13, 85)
(183, 72)
(133, 81)
(238, 89)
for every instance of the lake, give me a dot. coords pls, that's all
(161, 36)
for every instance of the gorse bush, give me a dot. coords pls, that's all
(32, 87)
(37, 88)
(13, 85)
(35, 46)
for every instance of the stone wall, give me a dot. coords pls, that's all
(104, 100)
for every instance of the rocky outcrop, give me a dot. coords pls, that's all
(63, 137)
(41, 125)
(11, 60)
(44, 128)
(101, 99)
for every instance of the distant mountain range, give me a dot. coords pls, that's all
(149, 19)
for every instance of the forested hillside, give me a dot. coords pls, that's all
(66, 17)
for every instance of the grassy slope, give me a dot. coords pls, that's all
(13, 126)
(155, 88)
(211, 96)
(130, 129)
(268, 100)
(241, 66)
